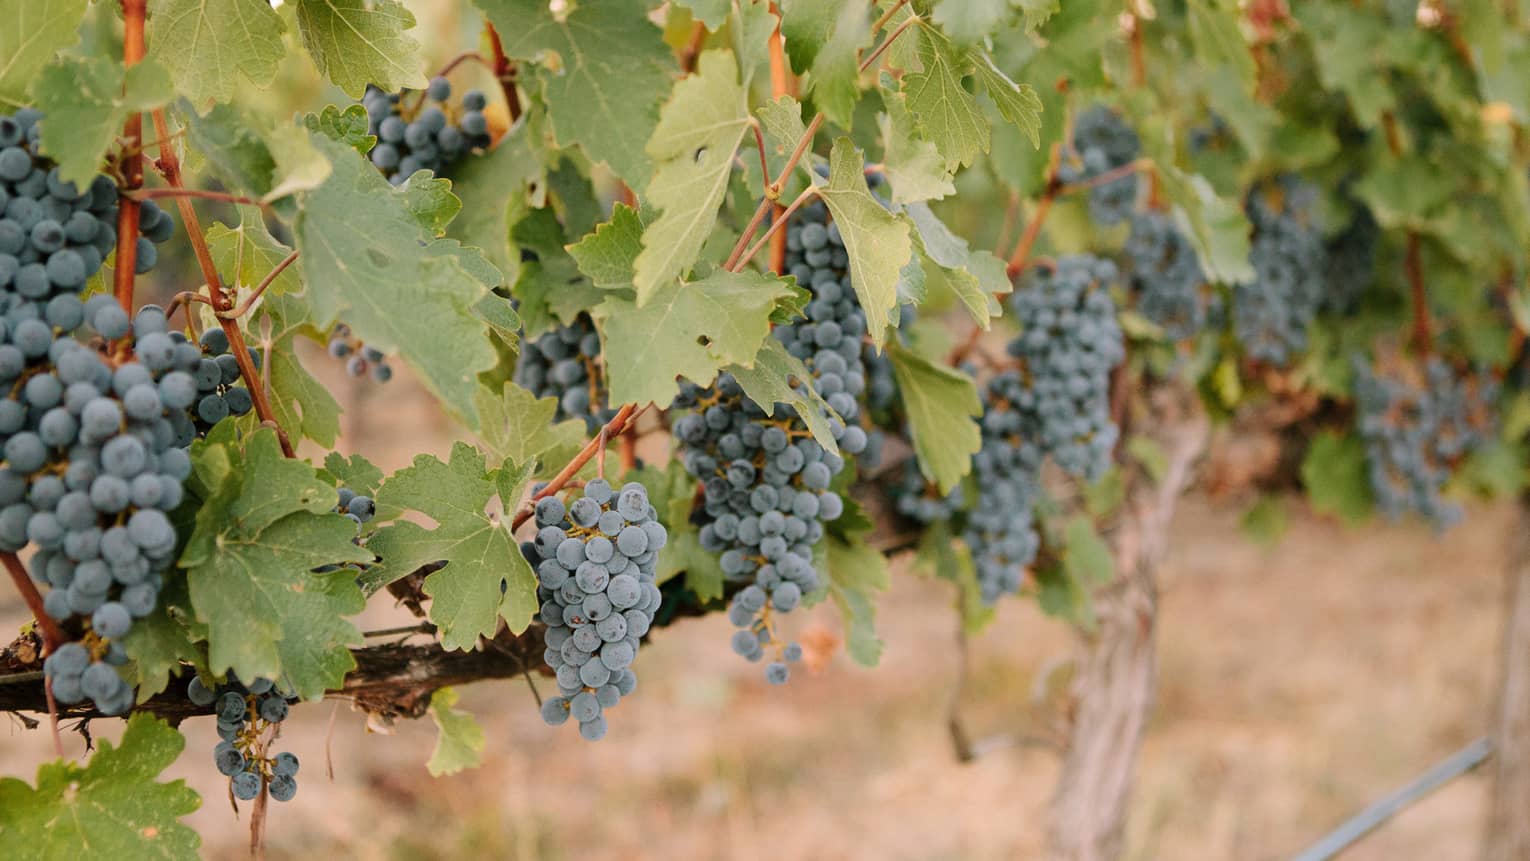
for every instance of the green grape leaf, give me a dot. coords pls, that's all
(1216, 33)
(482, 556)
(487, 185)
(85, 102)
(161, 641)
(943, 408)
(942, 555)
(1086, 556)
(686, 330)
(208, 46)
(781, 121)
(246, 254)
(947, 114)
(349, 126)
(672, 492)
(1335, 475)
(915, 168)
(360, 42)
(1037, 12)
(769, 381)
(751, 35)
(876, 241)
(35, 31)
(430, 200)
(699, 130)
(833, 83)
(266, 526)
(975, 277)
(607, 254)
(607, 71)
(302, 404)
(805, 26)
(460, 739)
(709, 12)
(252, 156)
(1216, 228)
(856, 572)
(551, 287)
(367, 260)
(519, 427)
(969, 21)
(1017, 103)
(113, 807)
(356, 473)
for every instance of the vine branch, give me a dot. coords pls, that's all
(260, 288)
(170, 167)
(1423, 338)
(133, 13)
(52, 635)
(623, 419)
(504, 71)
(154, 193)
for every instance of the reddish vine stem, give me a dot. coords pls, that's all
(965, 348)
(504, 71)
(170, 167)
(1022, 252)
(58, 741)
(888, 16)
(774, 190)
(244, 307)
(1108, 176)
(627, 448)
(775, 228)
(464, 57)
(692, 51)
(600, 458)
(779, 83)
(759, 140)
(624, 418)
(1423, 338)
(887, 43)
(52, 635)
(133, 13)
(153, 193)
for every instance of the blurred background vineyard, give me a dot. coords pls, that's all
(1299, 679)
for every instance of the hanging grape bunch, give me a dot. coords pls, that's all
(1069, 342)
(1166, 278)
(1271, 313)
(220, 389)
(1000, 529)
(917, 499)
(1350, 262)
(359, 358)
(1416, 431)
(1103, 142)
(595, 562)
(421, 130)
(247, 720)
(565, 364)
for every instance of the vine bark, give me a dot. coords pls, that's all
(1508, 827)
(1113, 686)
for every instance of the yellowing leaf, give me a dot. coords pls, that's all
(876, 241)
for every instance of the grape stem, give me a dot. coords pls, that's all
(1022, 252)
(143, 194)
(693, 47)
(1423, 338)
(464, 57)
(504, 72)
(260, 288)
(52, 635)
(600, 457)
(133, 13)
(779, 86)
(624, 418)
(888, 16)
(169, 165)
(775, 227)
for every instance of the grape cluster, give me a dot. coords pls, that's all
(565, 364)
(1001, 528)
(1068, 344)
(1415, 431)
(595, 563)
(1271, 313)
(220, 390)
(416, 131)
(245, 713)
(356, 506)
(1350, 263)
(1102, 142)
(54, 234)
(1166, 278)
(918, 500)
(359, 358)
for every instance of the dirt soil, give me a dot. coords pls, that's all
(1297, 684)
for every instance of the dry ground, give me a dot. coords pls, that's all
(1297, 684)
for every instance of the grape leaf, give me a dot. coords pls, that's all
(947, 114)
(607, 254)
(751, 35)
(781, 121)
(1335, 475)
(209, 45)
(251, 155)
(1017, 103)
(699, 131)
(855, 573)
(430, 200)
(267, 524)
(968, 21)
(366, 259)
(113, 807)
(1217, 228)
(1086, 556)
(686, 330)
(975, 277)
(551, 286)
(349, 126)
(836, 66)
(85, 102)
(943, 408)
(709, 12)
(303, 405)
(1037, 12)
(607, 70)
(360, 42)
(246, 254)
(519, 427)
(805, 26)
(161, 641)
(459, 744)
(486, 576)
(940, 554)
(768, 382)
(487, 184)
(34, 32)
(876, 241)
(915, 168)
